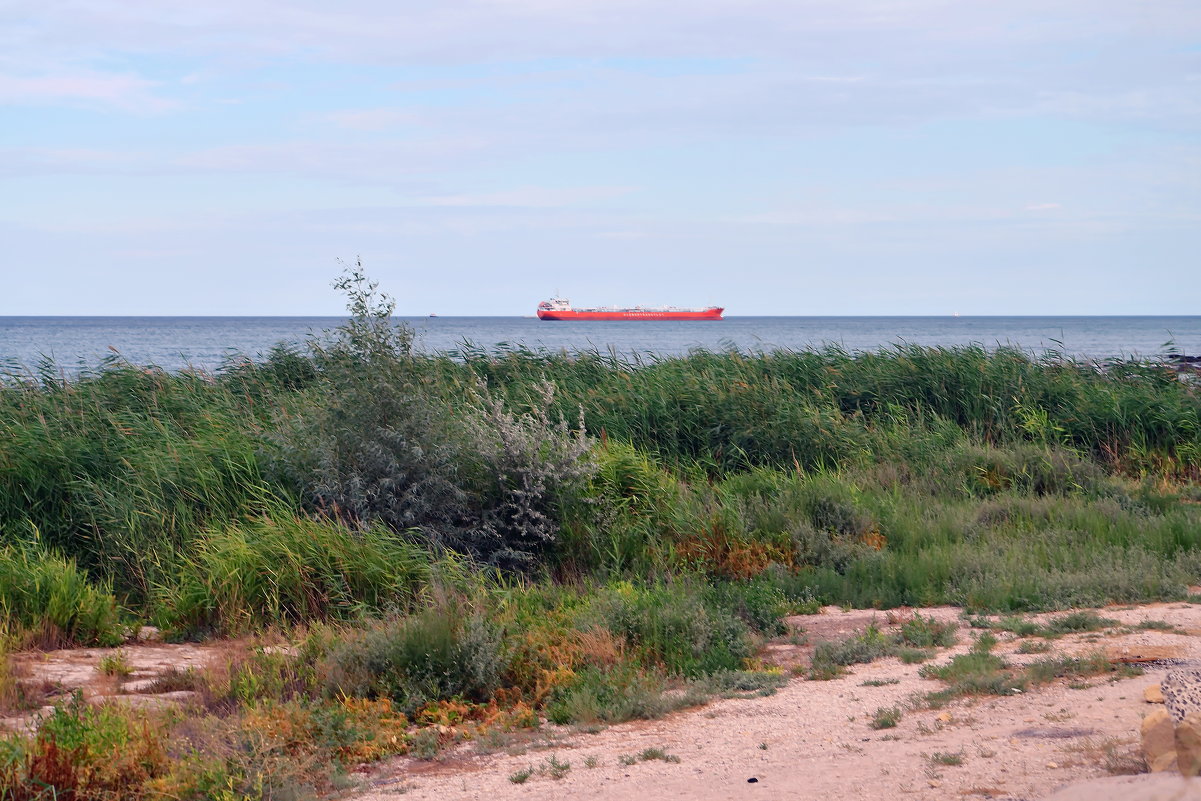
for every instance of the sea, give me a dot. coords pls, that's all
(76, 344)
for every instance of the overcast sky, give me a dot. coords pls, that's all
(807, 157)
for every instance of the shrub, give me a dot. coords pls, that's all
(1071, 623)
(533, 466)
(660, 754)
(886, 718)
(609, 696)
(1092, 664)
(255, 675)
(373, 445)
(977, 672)
(115, 664)
(673, 625)
(441, 653)
(1074, 622)
(758, 603)
(913, 656)
(46, 598)
(949, 758)
(926, 632)
(740, 683)
(380, 441)
(831, 656)
(83, 752)
(281, 570)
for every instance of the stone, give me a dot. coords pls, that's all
(1188, 744)
(1182, 692)
(1153, 694)
(149, 634)
(1159, 740)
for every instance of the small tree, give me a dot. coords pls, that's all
(382, 440)
(370, 332)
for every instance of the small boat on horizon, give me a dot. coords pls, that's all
(561, 309)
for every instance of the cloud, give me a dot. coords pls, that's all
(622, 235)
(531, 197)
(1043, 206)
(119, 90)
(374, 119)
(825, 62)
(376, 161)
(482, 30)
(56, 161)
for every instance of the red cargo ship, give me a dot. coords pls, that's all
(560, 309)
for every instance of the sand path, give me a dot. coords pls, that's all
(812, 739)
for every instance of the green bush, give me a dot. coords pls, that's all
(829, 657)
(886, 718)
(82, 752)
(609, 696)
(379, 440)
(758, 603)
(672, 625)
(46, 598)
(282, 570)
(926, 632)
(1075, 622)
(978, 672)
(441, 653)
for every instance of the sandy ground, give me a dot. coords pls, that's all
(812, 740)
(57, 674)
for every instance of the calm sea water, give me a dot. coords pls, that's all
(205, 342)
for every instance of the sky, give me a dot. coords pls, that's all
(811, 157)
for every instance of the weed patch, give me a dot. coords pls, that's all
(947, 758)
(441, 653)
(829, 658)
(115, 664)
(886, 718)
(652, 754)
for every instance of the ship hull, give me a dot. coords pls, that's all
(712, 313)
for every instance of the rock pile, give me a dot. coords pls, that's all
(1171, 735)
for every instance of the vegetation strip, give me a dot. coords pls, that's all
(426, 550)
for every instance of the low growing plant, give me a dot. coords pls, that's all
(281, 570)
(443, 652)
(886, 718)
(46, 599)
(115, 664)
